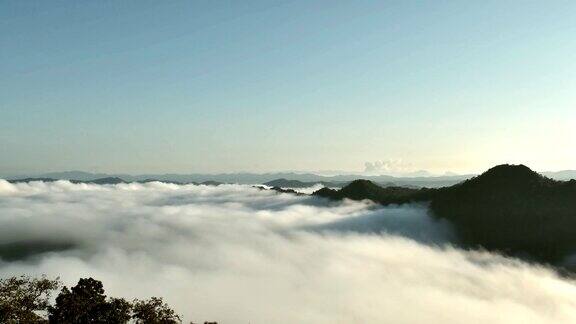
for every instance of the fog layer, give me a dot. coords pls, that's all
(236, 254)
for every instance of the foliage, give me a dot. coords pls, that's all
(153, 310)
(86, 303)
(21, 298)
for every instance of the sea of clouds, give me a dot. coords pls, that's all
(238, 254)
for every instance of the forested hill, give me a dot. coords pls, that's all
(508, 208)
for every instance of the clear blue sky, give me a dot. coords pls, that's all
(221, 86)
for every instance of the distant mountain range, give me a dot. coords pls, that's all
(110, 180)
(282, 179)
(561, 175)
(106, 180)
(285, 183)
(509, 208)
(252, 178)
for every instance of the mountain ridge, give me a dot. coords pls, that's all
(509, 208)
(253, 178)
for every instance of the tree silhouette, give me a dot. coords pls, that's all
(86, 303)
(21, 297)
(153, 310)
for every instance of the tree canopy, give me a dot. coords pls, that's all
(25, 300)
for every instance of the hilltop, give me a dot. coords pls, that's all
(366, 189)
(509, 208)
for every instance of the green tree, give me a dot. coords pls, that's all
(153, 311)
(86, 303)
(21, 298)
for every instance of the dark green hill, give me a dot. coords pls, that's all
(513, 209)
(25, 180)
(287, 183)
(509, 208)
(108, 180)
(365, 189)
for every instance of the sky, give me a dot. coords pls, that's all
(260, 86)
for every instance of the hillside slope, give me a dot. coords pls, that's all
(509, 208)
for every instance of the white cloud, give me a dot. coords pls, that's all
(236, 254)
(388, 166)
